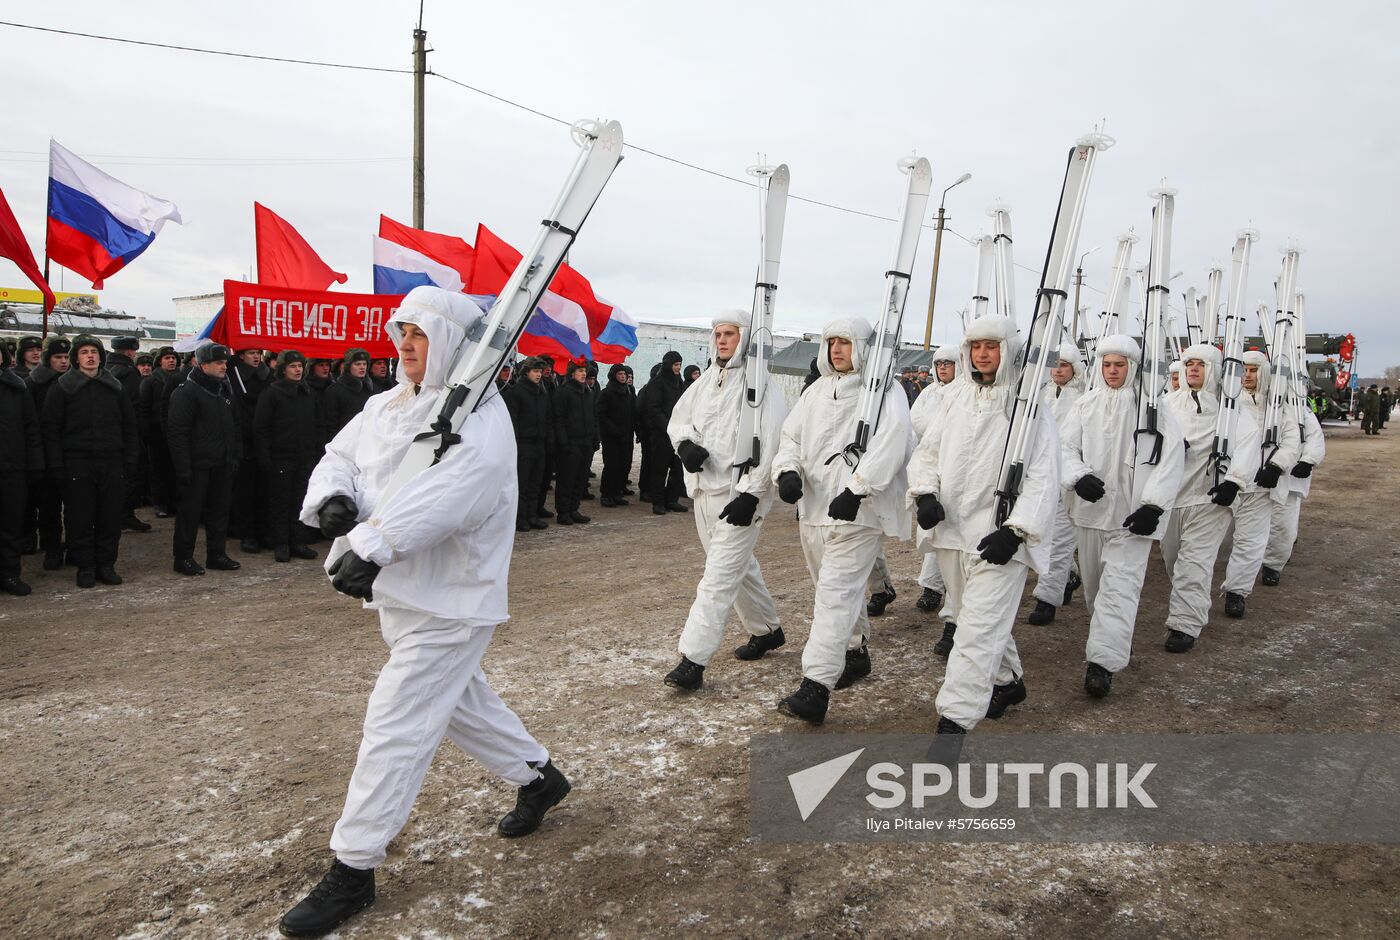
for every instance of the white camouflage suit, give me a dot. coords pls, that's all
(1253, 509)
(708, 415)
(1098, 438)
(1059, 399)
(840, 554)
(928, 404)
(959, 461)
(444, 543)
(1283, 526)
(1197, 527)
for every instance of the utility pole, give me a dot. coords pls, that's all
(1078, 283)
(937, 251)
(420, 71)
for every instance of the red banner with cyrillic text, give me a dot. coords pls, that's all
(318, 324)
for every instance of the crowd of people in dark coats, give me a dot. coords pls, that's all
(216, 439)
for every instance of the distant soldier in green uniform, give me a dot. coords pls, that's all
(1370, 410)
(1387, 403)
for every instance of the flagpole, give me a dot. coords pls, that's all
(48, 212)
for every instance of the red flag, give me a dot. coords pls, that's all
(496, 261)
(444, 249)
(14, 247)
(284, 257)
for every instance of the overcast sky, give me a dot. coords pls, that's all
(1282, 115)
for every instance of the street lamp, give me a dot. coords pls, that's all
(1078, 283)
(937, 250)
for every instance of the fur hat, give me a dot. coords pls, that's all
(126, 343)
(211, 352)
(355, 355)
(87, 339)
(27, 343)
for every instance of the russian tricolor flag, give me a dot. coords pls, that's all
(398, 269)
(98, 225)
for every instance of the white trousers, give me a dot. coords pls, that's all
(985, 598)
(930, 575)
(1051, 588)
(839, 559)
(431, 686)
(1189, 548)
(1283, 531)
(879, 579)
(1112, 565)
(732, 580)
(1252, 512)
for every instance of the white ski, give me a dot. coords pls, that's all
(1041, 350)
(1215, 276)
(884, 341)
(986, 264)
(1148, 438)
(1281, 355)
(1004, 263)
(773, 193)
(497, 333)
(1195, 332)
(1300, 366)
(1232, 365)
(1118, 287)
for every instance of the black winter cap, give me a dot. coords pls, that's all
(126, 342)
(356, 355)
(56, 347)
(29, 342)
(211, 352)
(285, 358)
(87, 339)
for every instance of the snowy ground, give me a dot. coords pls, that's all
(175, 751)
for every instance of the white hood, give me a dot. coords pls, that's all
(855, 329)
(1255, 358)
(1068, 352)
(1121, 345)
(446, 317)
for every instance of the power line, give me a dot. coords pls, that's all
(222, 52)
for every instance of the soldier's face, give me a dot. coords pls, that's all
(32, 357)
(535, 374)
(144, 368)
(1115, 370)
(1062, 372)
(294, 370)
(1176, 380)
(169, 363)
(413, 353)
(89, 359)
(358, 368)
(216, 369)
(379, 368)
(838, 353)
(59, 362)
(1195, 371)
(1251, 377)
(945, 371)
(252, 358)
(726, 341)
(986, 357)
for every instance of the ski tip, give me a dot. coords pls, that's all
(1098, 140)
(1248, 234)
(1163, 190)
(605, 134)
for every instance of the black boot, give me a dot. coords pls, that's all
(658, 509)
(1073, 584)
(538, 524)
(302, 552)
(133, 524)
(947, 743)
(108, 575)
(15, 586)
(675, 505)
(522, 526)
(688, 675)
(221, 563)
(188, 567)
(857, 667)
(282, 553)
(880, 600)
(1004, 696)
(607, 502)
(342, 894)
(1097, 680)
(930, 600)
(1044, 613)
(1178, 642)
(249, 547)
(944, 646)
(565, 519)
(808, 702)
(1234, 604)
(1271, 577)
(579, 518)
(86, 578)
(532, 801)
(758, 645)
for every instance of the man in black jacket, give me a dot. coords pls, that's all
(617, 406)
(45, 511)
(121, 363)
(90, 444)
(379, 378)
(248, 376)
(550, 382)
(666, 485)
(287, 441)
(205, 447)
(21, 463)
(528, 404)
(575, 433)
(150, 414)
(347, 395)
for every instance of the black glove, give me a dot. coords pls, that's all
(740, 509)
(1000, 546)
(1302, 470)
(845, 506)
(337, 516)
(1090, 488)
(930, 511)
(1268, 476)
(789, 486)
(354, 576)
(692, 455)
(1143, 520)
(1225, 493)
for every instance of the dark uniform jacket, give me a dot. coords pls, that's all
(529, 407)
(287, 426)
(21, 441)
(203, 431)
(617, 407)
(344, 399)
(88, 420)
(575, 424)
